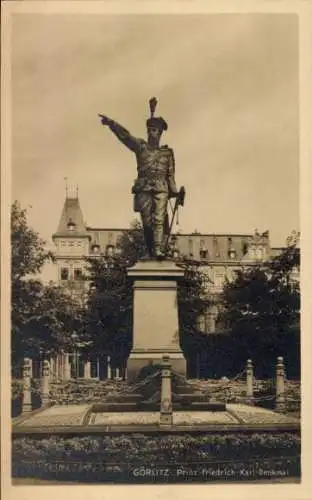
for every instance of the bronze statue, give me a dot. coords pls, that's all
(155, 183)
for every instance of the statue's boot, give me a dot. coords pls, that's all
(158, 241)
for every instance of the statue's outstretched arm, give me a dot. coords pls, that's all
(122, 134)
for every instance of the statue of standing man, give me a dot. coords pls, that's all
(155, 183)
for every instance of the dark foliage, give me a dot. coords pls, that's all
(261, 310)
(109, 458)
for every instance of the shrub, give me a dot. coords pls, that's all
(209, 445)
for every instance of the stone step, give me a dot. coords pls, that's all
(178, 406)
(127, 398)
(208, 406)
(103, 407)
(184, 389)
(193, 398)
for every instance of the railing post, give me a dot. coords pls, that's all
(166, 395)
(51, 368)
(62, 367)
(57, 367)
(109, 369)
(87, 370)
(67, 368)
(45, 383)
(280, 385)
(249, 382)
(27, 374)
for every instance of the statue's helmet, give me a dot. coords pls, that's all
(157, 122)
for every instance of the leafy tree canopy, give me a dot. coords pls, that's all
(28, 249)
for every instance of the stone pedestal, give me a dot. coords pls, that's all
(280, 385)
(166, 393)
(27, 376)
(155, 316)
(87, 370)
(45, 383)
(67, 367)
(249, 382)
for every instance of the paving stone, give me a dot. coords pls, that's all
(256, 415)
(203, 417)
(126, 418)
(58, 416)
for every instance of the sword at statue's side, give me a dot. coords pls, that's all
(179, 202)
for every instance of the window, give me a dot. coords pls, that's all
(78, 274)
(231, 249)
(245, 247)
(232, 253)
(71, 226)
(203, 254)
(110, 250)
(64, 273)
(190, 247)
(95, 248)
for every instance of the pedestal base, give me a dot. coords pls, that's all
(137, 360)
(155, 316)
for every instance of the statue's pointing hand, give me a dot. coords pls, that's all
(105, 120)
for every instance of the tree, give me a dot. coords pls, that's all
(109, 306)
(43, 319)
(28, 253)
(261, 309)
(42, 316)
(108, 314)
(193, 303)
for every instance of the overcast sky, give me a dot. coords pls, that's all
(226, 84)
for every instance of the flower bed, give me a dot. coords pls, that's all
(184, 456)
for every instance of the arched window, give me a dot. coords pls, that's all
(71, 226)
